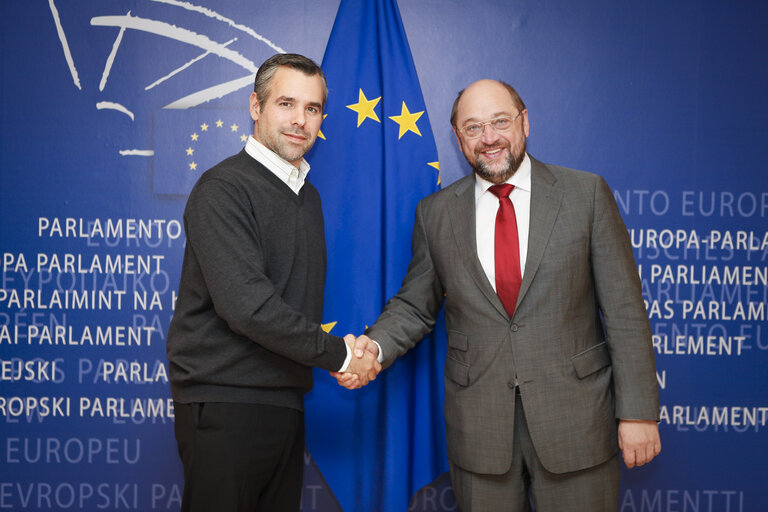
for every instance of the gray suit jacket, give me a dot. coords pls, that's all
(579, 343)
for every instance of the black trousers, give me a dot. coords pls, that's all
(240, 457)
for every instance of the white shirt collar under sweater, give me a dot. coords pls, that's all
(280, 167)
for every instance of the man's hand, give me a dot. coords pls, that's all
(639, 441)
(364, 366)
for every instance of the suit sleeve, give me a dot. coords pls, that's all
(225, 240)
(411, 313)
(627, 330)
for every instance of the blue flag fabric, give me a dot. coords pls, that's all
(375, 160)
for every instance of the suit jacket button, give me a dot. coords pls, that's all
(511, 385)
(514, 327)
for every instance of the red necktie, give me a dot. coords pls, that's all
(507, 249)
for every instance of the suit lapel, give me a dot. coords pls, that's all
(464, 231)
(545, 205)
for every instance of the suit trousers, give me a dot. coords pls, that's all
(240, 457)
(528, 484)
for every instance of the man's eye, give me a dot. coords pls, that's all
(312, 110)
(285, 104)
(501, 123)
(471, 129)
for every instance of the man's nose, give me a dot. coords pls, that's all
(299, 118)
(489, 135)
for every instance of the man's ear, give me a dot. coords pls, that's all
(526, 126)
(255, 106)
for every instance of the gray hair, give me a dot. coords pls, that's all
(262, 85)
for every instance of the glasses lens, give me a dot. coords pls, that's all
(501, 124)
(473, 130)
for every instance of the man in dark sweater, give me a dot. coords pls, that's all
(246, 331)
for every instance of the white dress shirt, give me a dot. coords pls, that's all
(486, 206)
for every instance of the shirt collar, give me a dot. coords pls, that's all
(281, 167)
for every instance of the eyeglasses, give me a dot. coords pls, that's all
(499, 125)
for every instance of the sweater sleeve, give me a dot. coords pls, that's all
(224, 237)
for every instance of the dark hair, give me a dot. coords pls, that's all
(516, 99)
(263, 83)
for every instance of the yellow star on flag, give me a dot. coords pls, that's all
(190, 151)
(204, 127)
(320, 132)
(436, 165)
(327, 327)
(193, 166)
(234, 127)
(407, 121)
(194, 136)
(219, 123)
(364, 108)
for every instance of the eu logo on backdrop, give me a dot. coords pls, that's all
(188, 142)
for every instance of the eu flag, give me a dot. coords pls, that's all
(374, 160)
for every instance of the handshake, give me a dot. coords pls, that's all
(364, 366)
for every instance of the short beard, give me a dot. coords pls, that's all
(283, 149)
(510, 168)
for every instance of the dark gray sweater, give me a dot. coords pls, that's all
(246, 325)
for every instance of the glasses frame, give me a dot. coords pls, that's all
(490, 122)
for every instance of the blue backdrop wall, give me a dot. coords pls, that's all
(100, 99)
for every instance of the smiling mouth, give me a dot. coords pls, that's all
(295, 133)
(492, 153)
(295, 137)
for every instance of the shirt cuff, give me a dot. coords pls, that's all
(347, 360)
(344, 367)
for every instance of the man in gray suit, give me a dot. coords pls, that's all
(550, 367)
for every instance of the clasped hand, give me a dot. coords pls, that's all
(364, 366)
